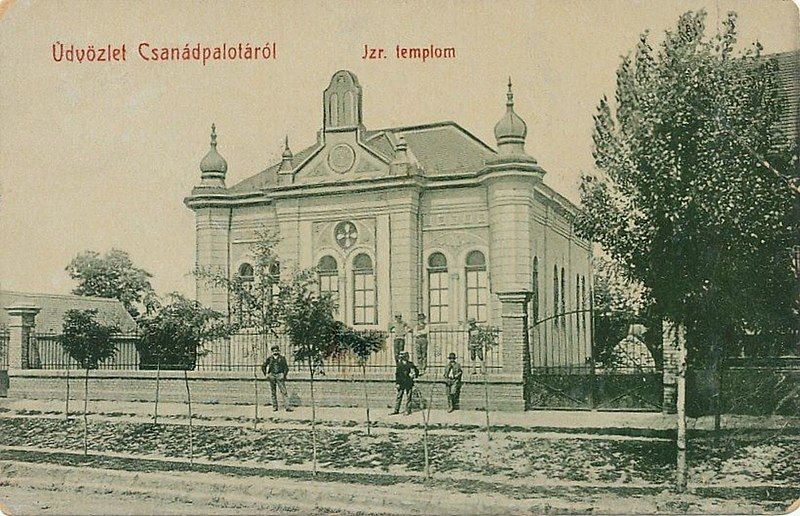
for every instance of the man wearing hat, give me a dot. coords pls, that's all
(397, 332)
(452, 378)
(421, 343)
(474, 345)
(404, 375)
(275, 369)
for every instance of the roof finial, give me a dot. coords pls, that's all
(286, 157)
(213, 135)
(510, 94)
(287, 152)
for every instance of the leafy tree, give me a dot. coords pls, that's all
(363, 344)
(112, 276)
(691, 196)
(253, 297)
(314, 334)
(88, 342)
(485, 338)
(175, 336)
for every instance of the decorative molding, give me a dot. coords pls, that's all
(455, 220)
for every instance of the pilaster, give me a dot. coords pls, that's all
(212, 253)
(21, 326)
(514, 351)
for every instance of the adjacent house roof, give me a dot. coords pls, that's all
(440, 148)
(789, 78)
(53, 307)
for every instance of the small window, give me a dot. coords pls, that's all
(476, 259)
(438, 288)
(477, 286)
(275, 280)
(246, 272)
(328, 271)
(243, 310)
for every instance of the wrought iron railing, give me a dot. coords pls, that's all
(247, 351)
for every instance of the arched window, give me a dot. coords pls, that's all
(333, 110)
(246, 273)
(535, 291)
(364, 301)
(586, 305)
(328, 271)
(274, 280)
(578, 302)
(349, 109)
(438, 298)
(477, 286)
(244, 308)
(563, 299)
(555, 293)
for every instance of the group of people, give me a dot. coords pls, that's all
(276, 368)
(406, 372)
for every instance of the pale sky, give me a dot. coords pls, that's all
(101, 155)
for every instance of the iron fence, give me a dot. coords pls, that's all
(247, 351)
(46, 352)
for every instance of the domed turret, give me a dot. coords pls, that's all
(213, 166)
(511, 130)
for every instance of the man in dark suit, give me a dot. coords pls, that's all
(404, 375)
(452, 378)
(275, 369)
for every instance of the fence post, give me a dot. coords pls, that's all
(20, 328)
(514, 347)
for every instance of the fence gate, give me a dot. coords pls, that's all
(580, 362)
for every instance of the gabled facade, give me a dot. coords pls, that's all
(420, 219)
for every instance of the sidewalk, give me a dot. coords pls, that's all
(352, 416)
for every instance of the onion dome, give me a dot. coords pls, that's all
(213, 166)
(511, 130)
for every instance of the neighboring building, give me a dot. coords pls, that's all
(50, 318)
(424, 218)
(789, 80)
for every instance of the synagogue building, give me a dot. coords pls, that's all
(418, 219)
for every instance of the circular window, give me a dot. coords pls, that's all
(346, 234)
(341, 158)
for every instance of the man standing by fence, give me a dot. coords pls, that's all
(397, 333)
(474, 344)
(404, 375)
(452, 379)
(421, 343)
(276, 368)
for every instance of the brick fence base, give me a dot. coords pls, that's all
(237, 388)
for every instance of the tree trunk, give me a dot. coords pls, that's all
(158, 386)
(366, 396)
(313, 422)
(66, 401)
(189, 400)
(426, 417)
(85, 410)
(255, 393)
(716, 382)
(681, 468)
